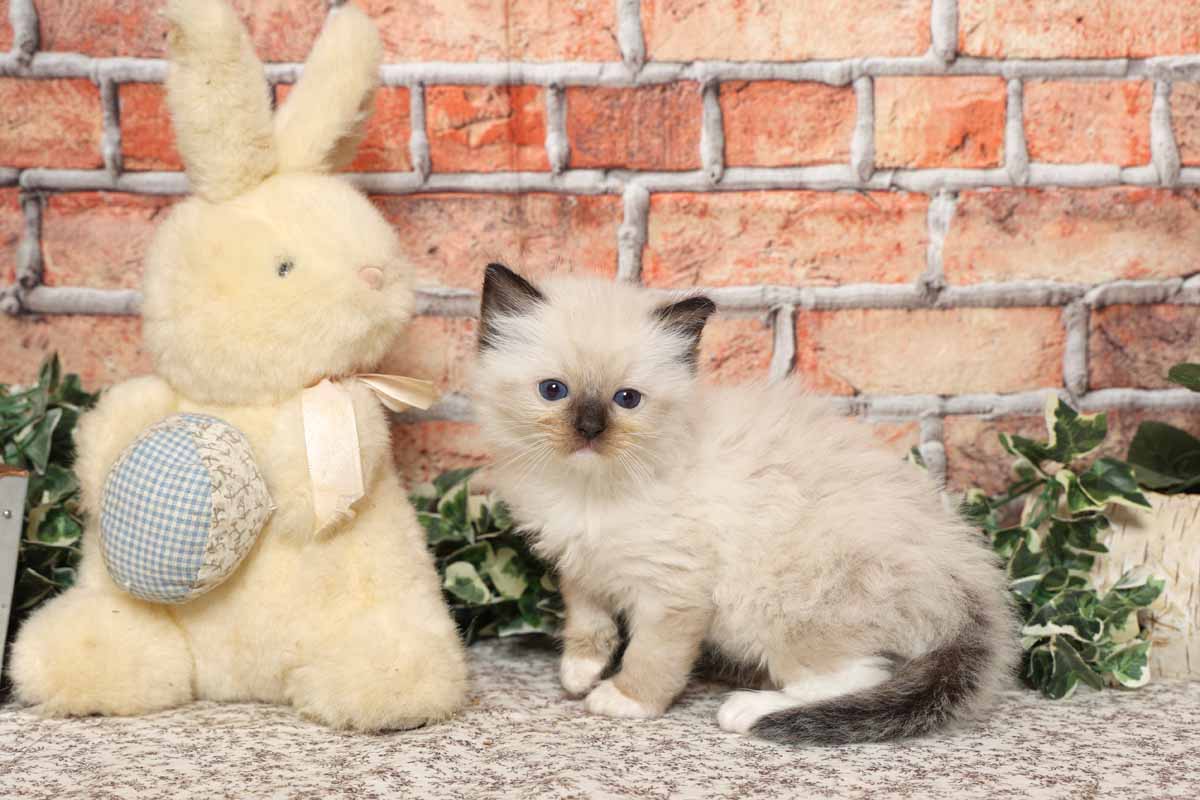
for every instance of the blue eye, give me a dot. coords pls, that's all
(627, 398)
(552, 390)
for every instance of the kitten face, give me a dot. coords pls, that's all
(583, 377)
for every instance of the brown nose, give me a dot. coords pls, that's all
(372, 276)
(591, 419)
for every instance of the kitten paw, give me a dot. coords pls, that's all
(609, 701)
(578, 675)
(741, 710)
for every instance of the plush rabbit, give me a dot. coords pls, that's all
(275, 276)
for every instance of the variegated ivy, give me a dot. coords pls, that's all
(495, 586)
(36, 426)
(1072, 632)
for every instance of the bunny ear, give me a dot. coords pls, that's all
(219, 99)
(319, 127)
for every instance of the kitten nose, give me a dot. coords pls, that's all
(590, 429)
(591, 420)
(372, 277)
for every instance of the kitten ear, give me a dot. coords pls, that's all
(505, 294)
(687, 318)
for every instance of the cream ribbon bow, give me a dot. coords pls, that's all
(331, 437)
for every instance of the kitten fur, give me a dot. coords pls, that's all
(751, 522)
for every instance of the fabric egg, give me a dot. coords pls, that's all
(181, 507)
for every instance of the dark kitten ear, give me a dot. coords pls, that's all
(687, 317)
(505, 293)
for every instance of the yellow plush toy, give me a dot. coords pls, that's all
(263, 294)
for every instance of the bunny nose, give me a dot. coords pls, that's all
(372, 276)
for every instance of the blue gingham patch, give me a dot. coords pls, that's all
(181, 507)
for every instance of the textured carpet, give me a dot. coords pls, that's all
(520, 738)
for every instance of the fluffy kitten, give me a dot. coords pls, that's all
(749, 520)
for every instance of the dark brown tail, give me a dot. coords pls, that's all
(922, 695)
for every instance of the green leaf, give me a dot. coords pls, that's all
(1112, 481)
(1067, 658)
(463, 582)
(1129, 665)
(1164, 457)
(49, 375)
(1072, 434)
(36, 445)
(448, 480)
(58, 528)
(506, 574)
(1185, 375)
(438, 530)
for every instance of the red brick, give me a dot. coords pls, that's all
(1073, 235)
(651, 127)
(103, 350)
(6, 32)
(282, 30)
(425, 449)
(50, 123)
(735, 350)
(783, 30)
(12, 225)
(384, 148)
(497, 30)
(897, 436)
(438, 349)
(147, 138)
(98, 239)
(486, 128)
(974, 456)
(1074, 122)
(788, 238)
(1185, 116)
(1077, 28)
(451, 238)
(929, 351)
(781, 123)
(1134, 346)
(939, 122)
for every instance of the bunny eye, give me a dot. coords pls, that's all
(285, 266)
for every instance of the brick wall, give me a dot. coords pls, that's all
(935, 211)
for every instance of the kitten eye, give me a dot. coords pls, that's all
(552, 390)
(627, 398)
(285, 266)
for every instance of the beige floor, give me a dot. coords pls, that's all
(520, 738)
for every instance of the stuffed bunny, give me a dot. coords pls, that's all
(275, 276)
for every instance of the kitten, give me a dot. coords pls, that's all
(751, 521)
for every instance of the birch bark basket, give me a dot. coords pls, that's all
(1165, 540)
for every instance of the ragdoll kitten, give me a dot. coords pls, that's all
(751, 521)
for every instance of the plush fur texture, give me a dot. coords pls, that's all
(750, 521)
(291, 277)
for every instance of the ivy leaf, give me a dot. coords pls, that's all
(506, 574)
(58, 528)
(35, 445)
(463, 582)
(443, 483)
(1129, 665)
(1185, 375)
(1165, 458)
(1111, 481)
(1072, 434)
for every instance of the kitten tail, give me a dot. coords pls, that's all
(923, 695)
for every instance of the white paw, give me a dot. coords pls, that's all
(607, 700)
(579, 674)
(741, 710)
